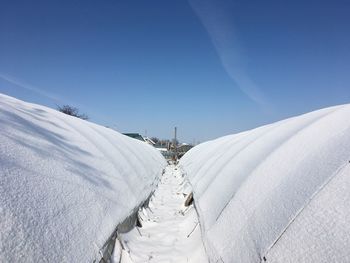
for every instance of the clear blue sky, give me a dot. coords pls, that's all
(209, 67)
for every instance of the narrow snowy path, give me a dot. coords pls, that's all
(170, 231)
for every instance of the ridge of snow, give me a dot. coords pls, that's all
(65, 183)
(250, 189)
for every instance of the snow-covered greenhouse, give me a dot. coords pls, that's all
(278, 193)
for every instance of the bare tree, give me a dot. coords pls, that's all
(72, 111)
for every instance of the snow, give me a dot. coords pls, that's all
(66, 183)
(278, 193)
(170, 231)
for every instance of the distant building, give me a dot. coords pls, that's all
(149, 141)
(136, 136)
(166, 148)
(139, 137)
(165, 152)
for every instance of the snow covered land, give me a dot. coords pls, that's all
(65, 183)
(278, 193)
(170, 230)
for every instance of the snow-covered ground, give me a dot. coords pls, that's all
(170, 231)
(65, 183)
(278, 193)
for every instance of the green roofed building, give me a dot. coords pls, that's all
(136, 136)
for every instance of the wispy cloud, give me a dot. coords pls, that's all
(219, 24)
(56, 99)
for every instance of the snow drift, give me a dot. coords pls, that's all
(65, 183)
(278, 193)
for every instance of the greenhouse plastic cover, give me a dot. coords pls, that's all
(65, 183)
(278, 193)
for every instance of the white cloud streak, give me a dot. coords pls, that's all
(31, 88)
(54, 98)
(217, 20)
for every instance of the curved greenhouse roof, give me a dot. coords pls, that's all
(65, 183)
(278, 193)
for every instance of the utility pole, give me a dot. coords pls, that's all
(175, 142)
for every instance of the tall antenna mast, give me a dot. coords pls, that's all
(175, 143)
